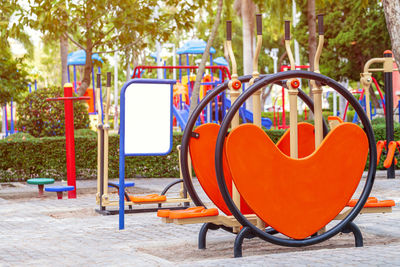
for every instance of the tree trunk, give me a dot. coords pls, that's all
(199, 76)
(312, 41)
(392, 15)
(64, 56)
(128, 64)
(248, 9)
(87, 71)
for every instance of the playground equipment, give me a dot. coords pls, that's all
(8, 129)
(249, 161)
(283, 119)
(40, 182)
(202, 142)
(363, 102)
(59, 190)
(69, 134)
(145, 130)
(78, 58)
(366, 80)
(215, 111)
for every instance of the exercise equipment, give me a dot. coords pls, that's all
(59, 190)
(137, 121)
(40, 182)
(146, 130)
(366, 80)
(69, 134)
(315, 162)
(297, 213)
(202, 144)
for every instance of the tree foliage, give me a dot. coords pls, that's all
(13, 74)
(354, 33)
(100, 25)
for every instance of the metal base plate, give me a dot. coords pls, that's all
(115, 212)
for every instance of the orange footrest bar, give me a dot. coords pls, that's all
(379, 147)
(165, 213)
(148, 198)
(193, 212)
(373, 202)
(353, 202)
(182, 214)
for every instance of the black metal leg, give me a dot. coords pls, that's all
(358, 238)
(237, 249)
(203, 233)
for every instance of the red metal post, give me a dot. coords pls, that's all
(69, 134)
(69, 139)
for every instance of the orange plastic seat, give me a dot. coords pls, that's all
(335, 118)
(297, 197)
(373, 202)
(165, 213)
(183, 214)
(148, 199)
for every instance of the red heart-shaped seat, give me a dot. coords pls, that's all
(297, 197)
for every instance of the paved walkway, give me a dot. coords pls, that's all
(51, 232)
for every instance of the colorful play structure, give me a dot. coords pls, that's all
(76, 59)
(295, 187)
(182, 90)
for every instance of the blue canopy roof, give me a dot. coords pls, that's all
(79, 58)
(194, 47)
(221, 61)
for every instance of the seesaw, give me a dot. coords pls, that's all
(306, 234)
(133, 118)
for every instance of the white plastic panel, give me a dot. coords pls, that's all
(148, 127)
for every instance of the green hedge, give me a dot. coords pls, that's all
(22, 159)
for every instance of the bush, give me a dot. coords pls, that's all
(85, 132)
(20, 159)
(41, 118)
(19, 136)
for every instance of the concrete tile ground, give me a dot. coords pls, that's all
(51, 232)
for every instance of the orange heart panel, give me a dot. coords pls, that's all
(202, 152)
(297, 197)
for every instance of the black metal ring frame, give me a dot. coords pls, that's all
(371, 168)
(192, 121)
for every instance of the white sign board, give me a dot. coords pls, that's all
(148, 119)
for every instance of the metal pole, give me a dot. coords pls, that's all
(334, 103)
(296, 50)
(388, 79)
(159, 71)
(174, 61)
